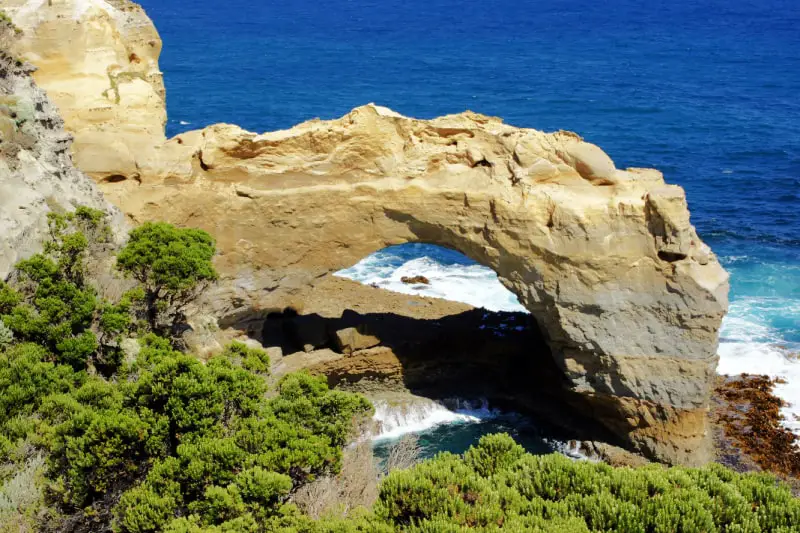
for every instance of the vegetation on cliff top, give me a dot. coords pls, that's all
(94, 437)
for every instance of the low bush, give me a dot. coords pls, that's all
(172, 265)
(176, 437)
(160, 441)
(497, 486)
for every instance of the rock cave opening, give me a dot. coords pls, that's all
(429, 322)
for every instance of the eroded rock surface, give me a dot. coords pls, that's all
(36, 171)
(605, 259)
(98, 62)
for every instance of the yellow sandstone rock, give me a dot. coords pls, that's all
(98, 62)
(605, 259)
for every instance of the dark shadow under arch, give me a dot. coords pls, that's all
(498, 355)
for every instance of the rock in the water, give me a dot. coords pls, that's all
(415, 280)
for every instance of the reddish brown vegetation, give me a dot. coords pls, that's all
(752, 419)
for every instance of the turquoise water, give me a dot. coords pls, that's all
(705, 91)
(457, 437)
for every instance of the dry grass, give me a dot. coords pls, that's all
(404, 454)
(356, 486)
(110, 285)
(20, 497)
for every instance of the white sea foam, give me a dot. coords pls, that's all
(571, 449)
(748, 345)
(471, 284)
(417, 415)
(395, 419)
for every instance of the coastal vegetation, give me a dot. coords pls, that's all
(99, 435)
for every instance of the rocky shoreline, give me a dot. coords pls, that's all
(481, 353)
(748, 431)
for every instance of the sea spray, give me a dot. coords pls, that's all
(451, 276)
(454, 425)
(759, 335)
(749, 346)
(397, 418)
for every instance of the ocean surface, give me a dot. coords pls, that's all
(708, 92)
(453, 426)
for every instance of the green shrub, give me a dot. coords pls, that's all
(175, 437)
(251, 359)
(9, 298)
(495, 487)
(27, 376)
(52, 304)
(168, 443)
(57, 312)
(172, 264)
(98, 451)
(72, 236)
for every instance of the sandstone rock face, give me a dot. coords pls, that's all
(352, 339)
(605, 259)
(98, 62)
(36, 171)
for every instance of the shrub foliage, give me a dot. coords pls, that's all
(160, 441)
(497, 486)
(173, 265)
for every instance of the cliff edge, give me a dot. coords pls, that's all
(36, 171)
(98, 62)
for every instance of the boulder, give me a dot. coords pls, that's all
(415, 280)
(275, 353)
(351, 340)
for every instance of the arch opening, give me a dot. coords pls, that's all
(458, 334)
(446, 273)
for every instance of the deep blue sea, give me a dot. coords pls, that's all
(706, 91)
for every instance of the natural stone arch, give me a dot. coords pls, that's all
(605, 259)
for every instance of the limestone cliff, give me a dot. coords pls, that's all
(628, 297)
(36, 171)
(98, 62)
(606, 260)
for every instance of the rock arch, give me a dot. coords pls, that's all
(605, 259)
